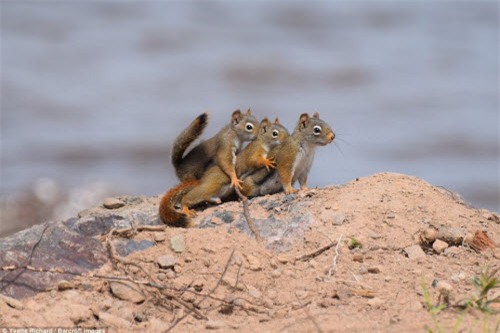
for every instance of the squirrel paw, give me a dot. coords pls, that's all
(188, 212)
(269, 164)
(236, 182)
(290, 190)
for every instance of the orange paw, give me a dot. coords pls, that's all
(269, 164)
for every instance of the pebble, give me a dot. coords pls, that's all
(113, 203)
(254, 263)
(414, 252)
(79, 313)
(159, 237)
(282, 258)
(357, 257)
(429, 235)
(452, 251)
(214, 324)
(375, 302)
(272, 294)
(276, 273)
(65, 285)
(363, 269)
(166, 261)
(127, 291)
(374, 269)
(439, 246)
(170, 274)
(162, 276)
(339, 219)
(177, 243)
(444, 287)
(254, 292)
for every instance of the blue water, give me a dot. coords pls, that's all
(98, 90)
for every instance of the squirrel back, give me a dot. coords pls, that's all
(217, 150)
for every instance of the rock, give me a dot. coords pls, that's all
(14, 303)
(452, 251)
(170, 274)
(254, 292)
(79, 313)
(496, 253)
(166, 261)
(414, 252)
(439, 246)
(65, 285)
(374, 269)
(429, 235)
(282, 258)
(363, 269)
(451, 235)
(162, 276)
(214, 324)
(339, 218)
(109, 320)
(127, 291)
(159, 237)
(177, 243)
(113, 203)
(254, 263)
(276, 273)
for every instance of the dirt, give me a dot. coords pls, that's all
(342, 267)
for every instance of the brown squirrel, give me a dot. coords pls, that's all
(221, 149)
(293, 158)
(215, 183)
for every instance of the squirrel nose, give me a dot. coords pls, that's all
(331, 136)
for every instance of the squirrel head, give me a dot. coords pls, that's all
(314, 130)
(245, 125)
(272, 134)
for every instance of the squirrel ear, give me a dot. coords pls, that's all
(277, 121)
(304, 118)
(236, 117)
(315, 115)
(264, 124)
(248, 112)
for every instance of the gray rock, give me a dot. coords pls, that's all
(177, 243)
(166, 261)
(439, 246)
(339, 218)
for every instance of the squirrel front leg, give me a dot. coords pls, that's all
(226, 161)
(302, 182)
(285, 175)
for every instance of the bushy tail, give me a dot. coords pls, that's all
(191, 133)
(171, 215)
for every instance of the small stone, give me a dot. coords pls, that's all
(79, 313)
(388, 278)
(127, 291)
(452, 251)
(110, 320)
(391, 216)
(439, 246)
(139, 317)
(357, 257)
(276, 273)
(272, 294)
(177, 243)
(214, 324)
(159, 237)
(65, 285)
(363, 269)
(177, 269)
(162, 276)
(166, 261)
(374, 269)
(112, 203)
(496, 253)
(254, 263)
(170, 274)
(280, 314)
(414, 252)
(339, 219)
(374, 235)
(282, 258)
(268, 303)
(429, 235)
(254, 292)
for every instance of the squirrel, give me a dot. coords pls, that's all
(221, 149)
(293, 158)
(215, 183)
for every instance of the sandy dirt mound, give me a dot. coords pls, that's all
(348, 258)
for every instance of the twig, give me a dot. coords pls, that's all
(316, 253)
(246, 213)
(206, 296)
(334, 265)
(30, 257)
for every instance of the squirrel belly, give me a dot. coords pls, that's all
(170, 200)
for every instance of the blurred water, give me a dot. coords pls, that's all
(97, 91)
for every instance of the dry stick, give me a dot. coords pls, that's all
(246, 213)
(30, 257)
(206, 296)
(316, 253)
(334, 265)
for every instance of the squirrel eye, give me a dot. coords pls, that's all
(275, 133)
(249, 127)
(317, 130)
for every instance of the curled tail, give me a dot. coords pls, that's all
(170, 203)
(191, 133)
